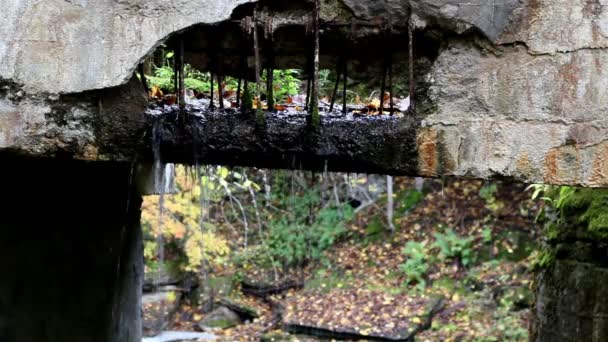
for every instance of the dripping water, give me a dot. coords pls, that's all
(164, 182)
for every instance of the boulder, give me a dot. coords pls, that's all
(221, 318)
(158, 310)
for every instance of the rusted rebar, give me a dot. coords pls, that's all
(335, 92)
(270, 69)
(314, 101)
(142, 76)
(308, 85)
(176, 72)
(220, 90)
(410, 31)
(238, 93)
(211, 91)
(351, 43)
(383, 86)
(390, 82)
(345, 74)
(258, 81)
(270, 88)
(182, 91)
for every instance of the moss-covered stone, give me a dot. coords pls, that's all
(582, 214)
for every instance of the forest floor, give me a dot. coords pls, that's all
(475, 242)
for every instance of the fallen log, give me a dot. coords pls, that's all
(265, 290)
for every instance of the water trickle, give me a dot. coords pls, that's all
(162, 172)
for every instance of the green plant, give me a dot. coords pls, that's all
(306, 232)
(585, 208)
(409, 200)
(486, 235)
(285, 83)
(247, 103)
(416, 265)
(488, 193)
(454, 247)
(325, 82)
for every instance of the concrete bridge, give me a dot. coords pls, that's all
(510, 89)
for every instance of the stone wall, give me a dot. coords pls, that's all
(72, 254)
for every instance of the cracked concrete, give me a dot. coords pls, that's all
(517, 89)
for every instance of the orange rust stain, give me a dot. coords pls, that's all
(599, 169)
(427, 152)
(569, 74)
(551, 166)
(90, 152)
(523, 165)
(563, 165)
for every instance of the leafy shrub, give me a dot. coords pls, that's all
(285, 83)
(193, 79)
(294, 243)
(488, 193)
(416, 266)
(453, 246)
(410, 200)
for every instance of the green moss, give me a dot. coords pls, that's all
(270, 97)
(552, 231)
(545, 259)
(247, 104)
(259, 117)
(585, 207)
(334, 10)
(315, 116)
(375, 227)
(222, 323)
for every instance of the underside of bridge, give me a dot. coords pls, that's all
(511, 90)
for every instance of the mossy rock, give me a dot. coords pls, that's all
(583, 214)
(221, 318)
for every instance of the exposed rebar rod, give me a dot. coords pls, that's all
(246, 103)
(182, 91)
(390, 81)
(314, 101)
(220, 82)
(176, 72)
(270, 76)
(308, 86)
(258, 80)
(220, 90)
(142, 76)
(351, 43)
(335, 93)
(212, 91)
(383, 86)
(345, 74)
(410, 31)
(270, 88)
(268, 35)
(238, 93)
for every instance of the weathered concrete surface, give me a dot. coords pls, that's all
(571, 302)
(517, 89)
(102, 125)
(73, 46)
(535, 118)
(553, 26)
